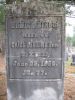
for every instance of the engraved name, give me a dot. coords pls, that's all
(36, 25)
(40, 44)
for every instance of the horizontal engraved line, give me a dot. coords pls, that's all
(29, 28)
(33, 57)
(22, 79)
(33, 47)
(48, 15)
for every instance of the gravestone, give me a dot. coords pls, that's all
(73, 59)
(35, 51)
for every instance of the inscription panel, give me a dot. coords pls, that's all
(35, 50)
(34, 47)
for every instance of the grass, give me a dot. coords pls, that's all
(68, 63)
(69, 68)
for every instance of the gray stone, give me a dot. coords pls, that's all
(35, 51)
(73, 59)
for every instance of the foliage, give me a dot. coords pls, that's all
(68, 40)
(73, 41)
(2, 14)
(2, 17)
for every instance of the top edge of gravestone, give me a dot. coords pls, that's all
(35, 8)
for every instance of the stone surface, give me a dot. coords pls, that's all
(35, 47)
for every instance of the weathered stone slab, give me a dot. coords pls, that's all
(35, 47)
(73, 59)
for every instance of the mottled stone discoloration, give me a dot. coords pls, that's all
(34, 51)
